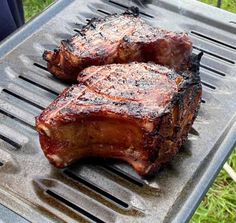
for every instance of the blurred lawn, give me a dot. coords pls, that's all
(33, 7)
(219, 204)
(229, 5)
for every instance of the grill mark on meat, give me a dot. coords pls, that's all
(130, 87)
(111, 23)
(81, 93)
(71, 99)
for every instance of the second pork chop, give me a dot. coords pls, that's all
(118, 39)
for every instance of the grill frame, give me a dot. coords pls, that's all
(214, 160)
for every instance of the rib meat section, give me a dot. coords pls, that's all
(139, 112)
(117, 39)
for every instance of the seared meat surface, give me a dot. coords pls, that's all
(139, 112)
(118, 39)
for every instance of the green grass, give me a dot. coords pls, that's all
(229, 5)
(33, 7)
(219, 204)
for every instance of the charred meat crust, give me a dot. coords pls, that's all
(118, 39)
(145, 133)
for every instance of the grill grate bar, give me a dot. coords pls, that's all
(23, 99)
(12, 136)
(212, 39)
(73, 206)
(17, 119)
(124, 175)
(10, 141)
(40, 66)
(214, 55)
(208, 85)
(38, 85)
(104, 12)
(213, 70)
(47, 83)
(22, 115)
(77, 200)
(95, 188)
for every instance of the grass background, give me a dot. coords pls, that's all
(229, 5)
(33, 7)
(219, 204)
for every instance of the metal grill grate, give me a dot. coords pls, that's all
(112, 192)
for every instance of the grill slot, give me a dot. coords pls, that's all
(51, 85)
(125, 175)
(15, 112)
(212, 39)
(209, 78)
(38, 85)
(208, 85)
(22, 105)
(29, 89)
(213, 70)
(214, 55)
(12, 137)
(88, 174)
(23, 99)
(126, 7)
(73, 206)
(10, 142)
(40, 66)
(104, 12)
(96, 188)
(76, 200)
(29, 95)
(217, 66)
(31, 125)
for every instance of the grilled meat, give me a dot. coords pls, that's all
(137, 112)
(118, 39)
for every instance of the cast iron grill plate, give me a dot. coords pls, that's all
(112, 192)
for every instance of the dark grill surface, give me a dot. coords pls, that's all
(112, 192)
